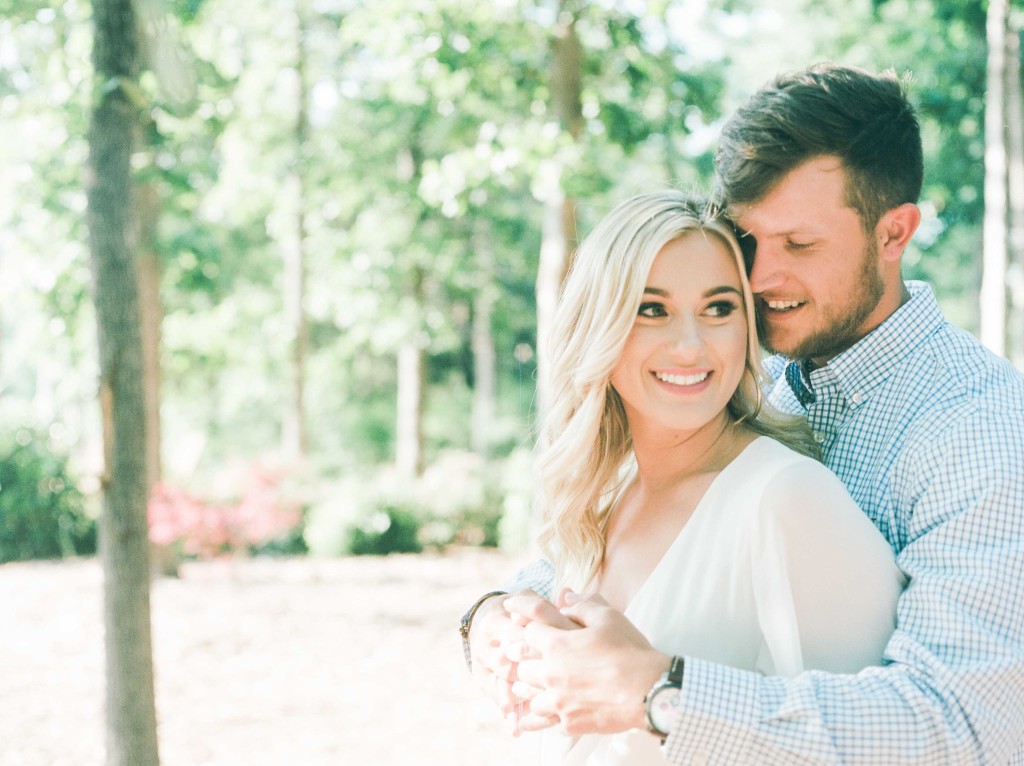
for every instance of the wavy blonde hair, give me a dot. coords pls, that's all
(584, 451)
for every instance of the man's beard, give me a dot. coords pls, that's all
(840, 331)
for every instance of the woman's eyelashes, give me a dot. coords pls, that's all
(716, 309)
(652, 310)
(721, 309)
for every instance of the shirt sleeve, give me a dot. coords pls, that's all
(538, 575)
(951, 686)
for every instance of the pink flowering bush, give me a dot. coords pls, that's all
(201, 527)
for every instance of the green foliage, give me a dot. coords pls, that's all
(42, 512)
(387, 530)
(460, 499)
(430, 143)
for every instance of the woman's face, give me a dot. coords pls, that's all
(687, 350)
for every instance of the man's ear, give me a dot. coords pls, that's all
(895, 229)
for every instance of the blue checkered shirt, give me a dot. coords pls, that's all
(926, 430)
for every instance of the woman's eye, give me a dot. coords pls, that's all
(651, 310)
(721, 309)
(798, 245)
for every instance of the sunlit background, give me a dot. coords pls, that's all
(345, 211)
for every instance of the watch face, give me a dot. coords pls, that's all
(664, 709)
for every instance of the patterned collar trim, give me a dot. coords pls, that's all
(868, 363)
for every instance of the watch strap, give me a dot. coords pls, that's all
(675, 672)
(673, 678)
(466, 623)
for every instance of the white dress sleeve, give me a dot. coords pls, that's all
(825, 580)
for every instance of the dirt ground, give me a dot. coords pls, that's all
(260, 663)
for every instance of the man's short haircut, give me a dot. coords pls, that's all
(863, 118)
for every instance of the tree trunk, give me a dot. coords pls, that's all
(482, 340)
(151, 317)
(1015, 160)
(408, 426)
(559, 225)
(294, 431)
(993, 278)
(163, 558)
(130, 706)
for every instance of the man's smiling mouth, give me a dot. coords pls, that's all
(782, 305)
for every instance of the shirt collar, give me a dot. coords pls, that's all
(869, 361)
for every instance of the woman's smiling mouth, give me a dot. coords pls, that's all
(682, 380)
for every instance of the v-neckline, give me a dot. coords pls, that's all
(689, 523)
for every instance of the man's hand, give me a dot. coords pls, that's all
(589, 680)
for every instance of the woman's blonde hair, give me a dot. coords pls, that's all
(584, 450)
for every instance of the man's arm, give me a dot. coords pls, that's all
(538, 576)
(952, 688)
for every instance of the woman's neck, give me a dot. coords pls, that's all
(664, 457)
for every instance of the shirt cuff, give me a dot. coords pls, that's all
(719, 710)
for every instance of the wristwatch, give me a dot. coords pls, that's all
(662, 701)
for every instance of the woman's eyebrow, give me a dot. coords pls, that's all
(722, 289)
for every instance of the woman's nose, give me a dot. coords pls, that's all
(686, 335)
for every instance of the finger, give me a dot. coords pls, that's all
(530, 673)
(536, 610)
(518, 620)
(502, 695)
(492, 661)
(512, 718)
(528, 604)
(587, 611)
(524, 691)
(566, 596)
(545, 640)
(542, 706)
(520, 651)
(531, 722)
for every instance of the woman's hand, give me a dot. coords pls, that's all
(584, 666)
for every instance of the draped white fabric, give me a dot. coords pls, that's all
(777, 571)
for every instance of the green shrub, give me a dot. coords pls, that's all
(42, 512)
(461, 499)
(355, 517)
(389, 530)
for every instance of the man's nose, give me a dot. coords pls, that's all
(766, 272)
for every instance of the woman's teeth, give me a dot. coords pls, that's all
(681, 380)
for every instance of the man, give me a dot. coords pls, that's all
(822, 170)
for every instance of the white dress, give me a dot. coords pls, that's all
(777, 571)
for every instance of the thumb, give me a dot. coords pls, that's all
(584, 609)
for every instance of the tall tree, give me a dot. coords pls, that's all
(293, 247)
(1015, 186)
(482, 341)
(559, 227)
(993, 278)
(113, 234)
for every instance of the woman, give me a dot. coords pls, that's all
(670, 488)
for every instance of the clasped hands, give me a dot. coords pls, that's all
(577, 663)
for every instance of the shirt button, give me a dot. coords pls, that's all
(819, 437)
(857, 398)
